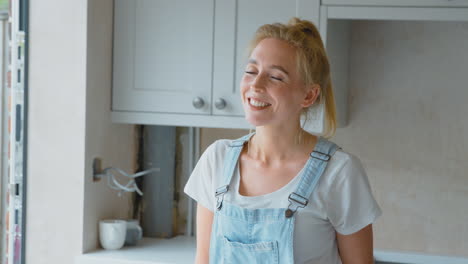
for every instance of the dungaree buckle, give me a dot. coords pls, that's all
(219, 194)
(298, 200)
(320, 155)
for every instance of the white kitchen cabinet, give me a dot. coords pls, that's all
(162, 56)
(170, 55)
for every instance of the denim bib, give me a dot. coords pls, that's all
(247, 236)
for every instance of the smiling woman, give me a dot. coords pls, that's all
(281, 194)
(284, 98)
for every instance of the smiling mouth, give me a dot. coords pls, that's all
(258, 104)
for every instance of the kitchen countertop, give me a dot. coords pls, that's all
(181, 250)
(177, 250)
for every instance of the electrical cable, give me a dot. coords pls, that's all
(131, 186)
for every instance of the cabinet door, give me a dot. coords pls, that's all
(163, 56)
(236, 22)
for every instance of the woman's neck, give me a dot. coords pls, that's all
(270, 145)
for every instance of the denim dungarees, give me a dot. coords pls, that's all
(247, 236)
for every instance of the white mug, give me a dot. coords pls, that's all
(112, 233)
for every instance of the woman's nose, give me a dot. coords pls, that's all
(258, 83)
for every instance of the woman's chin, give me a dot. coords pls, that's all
(255, 121)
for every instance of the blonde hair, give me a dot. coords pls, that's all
(312, 61)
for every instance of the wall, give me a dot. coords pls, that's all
(409, 126)
(408, 122)
(69, 124)
(56, 131)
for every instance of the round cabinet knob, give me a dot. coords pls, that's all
(220, 103)
(198, 102)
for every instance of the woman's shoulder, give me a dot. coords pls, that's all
(342, 157)
(219, 145)
(344, 163)
(217, 149)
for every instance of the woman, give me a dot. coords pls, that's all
(282, 195)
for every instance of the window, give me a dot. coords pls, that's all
(12, 128)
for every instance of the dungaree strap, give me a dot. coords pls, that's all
(230, 161)
(314, 168)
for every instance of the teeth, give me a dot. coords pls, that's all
(258, 103)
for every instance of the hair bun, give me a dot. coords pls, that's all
(308, 31)
(303, 25)
(294, 21)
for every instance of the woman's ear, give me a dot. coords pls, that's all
(311, 95)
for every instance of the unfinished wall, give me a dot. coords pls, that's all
(409, 125)
(115, 144)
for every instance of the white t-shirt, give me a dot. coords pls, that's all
(341, 201)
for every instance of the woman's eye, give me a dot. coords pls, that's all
(250, 72)
(277, 78)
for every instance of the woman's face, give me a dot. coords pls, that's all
(272, 91)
